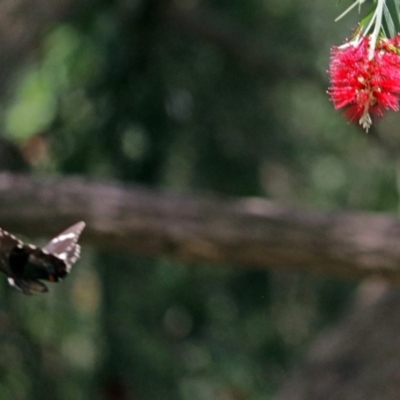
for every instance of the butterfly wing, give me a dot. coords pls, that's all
(64, 246)
(26, 264)
(7, 243)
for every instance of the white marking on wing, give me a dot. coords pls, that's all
(62, 256)
(60, 238)
(11, 282)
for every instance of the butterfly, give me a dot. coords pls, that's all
(25, 264)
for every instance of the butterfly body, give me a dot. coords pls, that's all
(25, 264)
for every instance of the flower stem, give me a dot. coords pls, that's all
(377, 17)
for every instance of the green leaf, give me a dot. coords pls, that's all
(397, 5)
(389, 21)
(366, 20)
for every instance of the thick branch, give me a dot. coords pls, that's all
(252, 232)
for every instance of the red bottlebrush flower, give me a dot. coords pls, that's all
(365, 86)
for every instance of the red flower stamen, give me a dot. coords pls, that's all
(365, 86)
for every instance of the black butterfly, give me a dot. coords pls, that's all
(25, 264)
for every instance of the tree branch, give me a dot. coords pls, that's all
(247, 232)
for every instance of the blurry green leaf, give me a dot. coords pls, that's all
(35, 109)
(389, 21)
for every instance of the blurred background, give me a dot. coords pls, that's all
(223, 97)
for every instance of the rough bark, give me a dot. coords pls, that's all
(247, 232)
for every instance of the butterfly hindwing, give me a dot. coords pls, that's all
(26, 264)
(7, 243)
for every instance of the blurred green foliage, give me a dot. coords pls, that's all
(121, 94)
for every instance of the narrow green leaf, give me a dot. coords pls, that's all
(397, 5)
(366, 20)
(389, 21)
(355, 4)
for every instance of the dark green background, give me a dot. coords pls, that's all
(235, 106)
